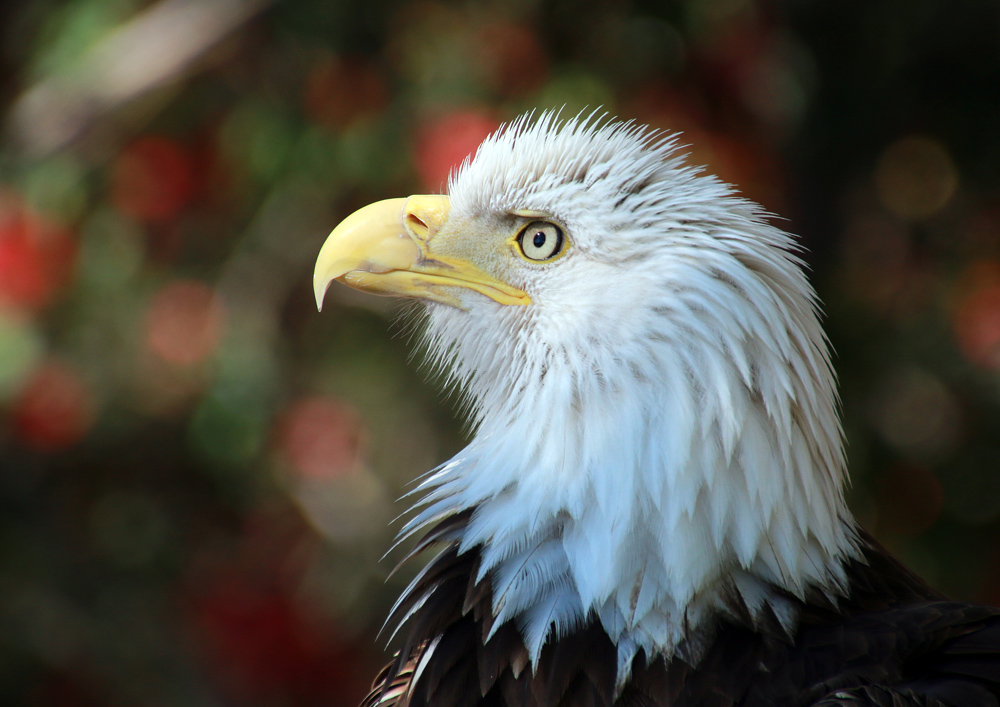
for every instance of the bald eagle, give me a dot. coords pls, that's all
(651, 510)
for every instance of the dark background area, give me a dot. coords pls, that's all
(198, 472)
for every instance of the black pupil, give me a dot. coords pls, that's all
(539, 239)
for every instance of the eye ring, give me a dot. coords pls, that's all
(541, 241)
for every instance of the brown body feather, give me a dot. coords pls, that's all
(893, 641)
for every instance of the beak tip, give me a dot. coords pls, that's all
(319, 290)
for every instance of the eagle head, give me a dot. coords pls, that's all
(656, 437)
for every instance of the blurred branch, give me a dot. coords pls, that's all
(157, 46)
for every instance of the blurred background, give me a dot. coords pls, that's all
(198, 472)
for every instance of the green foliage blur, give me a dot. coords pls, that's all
(198, 471)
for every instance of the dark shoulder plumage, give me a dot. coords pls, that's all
(892, 641)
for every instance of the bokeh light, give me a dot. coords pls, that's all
(916, 177)
(917, 414)
(445, 141)
(35, 256)
(977, 314)
(54, 409)
(322, 438)
(185, 322)
(342, 91)
(153, 179)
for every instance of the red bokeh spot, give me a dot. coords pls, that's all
(184, 323)
(340, 91)
(257, 631)
(976, 318)
(261, 639)
(261, 648)
(153, 179)
(36, 258)
(322, 438)
(54, 410)
(445, 141)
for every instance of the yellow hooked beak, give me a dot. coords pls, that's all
(386, 248)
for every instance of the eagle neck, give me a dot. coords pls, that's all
(657, 545)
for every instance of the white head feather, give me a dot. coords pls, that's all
(659, 429)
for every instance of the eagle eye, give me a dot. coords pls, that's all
(541, 240)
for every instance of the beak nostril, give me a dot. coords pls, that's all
(424, 214)
(417, 226)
